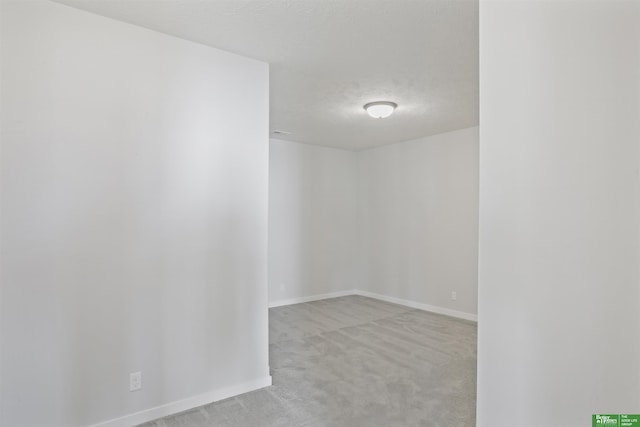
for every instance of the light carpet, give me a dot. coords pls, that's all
(357, 362)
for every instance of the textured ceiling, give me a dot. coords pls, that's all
(330, 57)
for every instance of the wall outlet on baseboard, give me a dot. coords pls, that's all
(135, 381)
(454, 295)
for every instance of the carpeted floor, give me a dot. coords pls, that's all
(356, 362)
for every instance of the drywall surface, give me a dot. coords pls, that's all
(559, 285)
(312, 221)
(418, 212)
(134, 218)
(328, 59)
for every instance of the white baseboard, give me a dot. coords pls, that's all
(185, 404)
(420, 306)
(394, 300)
(311, 298)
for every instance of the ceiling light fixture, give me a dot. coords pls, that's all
(380, 109)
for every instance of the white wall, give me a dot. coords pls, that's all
(559, 280)
(312, 221)
(419, 220)
(134, 219)
(398, 222)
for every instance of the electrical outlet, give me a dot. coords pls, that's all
(135, 381)
(454, 295)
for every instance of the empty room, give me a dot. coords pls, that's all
(319, 213)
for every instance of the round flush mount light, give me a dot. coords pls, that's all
(380, 109)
